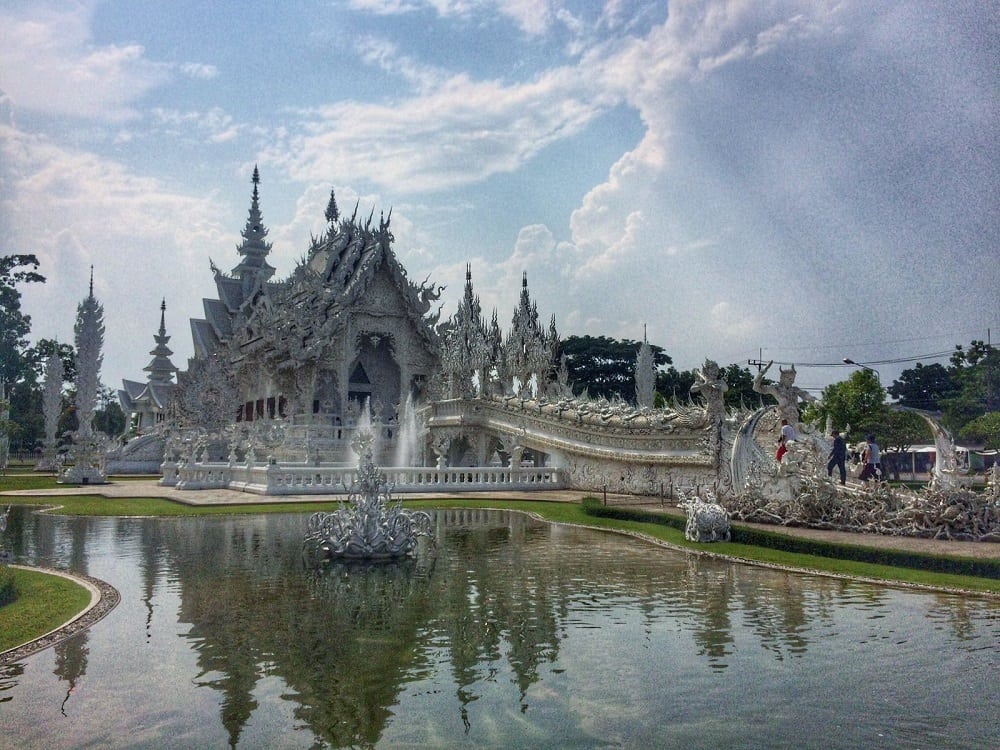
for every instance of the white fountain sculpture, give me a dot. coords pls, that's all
(370, 526)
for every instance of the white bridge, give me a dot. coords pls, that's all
(473, 444)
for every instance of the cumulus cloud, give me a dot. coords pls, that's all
(74, 209)
(50, 65)
(214, 125)
(531, 16)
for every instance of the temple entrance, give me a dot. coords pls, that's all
(375, 376)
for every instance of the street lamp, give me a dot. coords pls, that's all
(849, 361)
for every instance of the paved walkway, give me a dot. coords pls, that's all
(132, 488)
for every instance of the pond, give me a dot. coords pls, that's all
(510, 633)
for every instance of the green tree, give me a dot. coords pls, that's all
(858, 402)
(984, 429)
(741, 392)
(604, 366)
(923, 387)
(14, 324)
(976, 372)
(900, 431)
(674, 386)
(109, 417)
(16, 370)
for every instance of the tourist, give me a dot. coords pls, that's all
(787, 435)
(838, 457)
(872, 461)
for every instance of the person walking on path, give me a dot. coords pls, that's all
(787, 435)
(872, 461)
(838, 457)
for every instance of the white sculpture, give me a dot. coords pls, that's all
(645, 375)
(369, 526)
(785, 392)
(51, 407)
(707, 520)
(88, 450)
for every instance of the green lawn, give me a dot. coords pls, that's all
(44, 602)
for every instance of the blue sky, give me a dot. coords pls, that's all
(804, 179)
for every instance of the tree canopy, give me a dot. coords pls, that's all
(857, 403)
(603, 366)
(923, 387)
(963, 392)
(15, 325)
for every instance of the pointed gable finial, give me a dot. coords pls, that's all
(332, 211)
(91, 279)
(163, 313)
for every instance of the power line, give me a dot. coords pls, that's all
(898, 360)
(849, 344)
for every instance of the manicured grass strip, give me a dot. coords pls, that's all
(26, 481)
(44, 602)
(784, 544)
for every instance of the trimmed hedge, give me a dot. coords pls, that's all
(592, 507)
(963, 566)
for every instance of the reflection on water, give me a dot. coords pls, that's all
(509, 633)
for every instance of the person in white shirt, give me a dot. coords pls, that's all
(872, 461)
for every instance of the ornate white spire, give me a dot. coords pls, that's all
(645, 373)
(52, 397)
(528, 351)
(254, 268)
(89, 335)
(467, 352)
(160, 368)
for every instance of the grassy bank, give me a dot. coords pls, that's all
(44, 602)
(772, 548)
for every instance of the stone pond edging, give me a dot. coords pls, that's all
(103, 598)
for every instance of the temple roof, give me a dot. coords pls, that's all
(205, 340)
(219, 317)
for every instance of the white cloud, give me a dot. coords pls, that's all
(460, 133)
(74, 209)
(199, 70)
(214, 125)
(49, 65)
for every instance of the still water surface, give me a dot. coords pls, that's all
(514, 633)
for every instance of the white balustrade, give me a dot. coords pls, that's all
(306, 479)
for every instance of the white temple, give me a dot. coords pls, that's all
(287, 373)
(284, 371)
